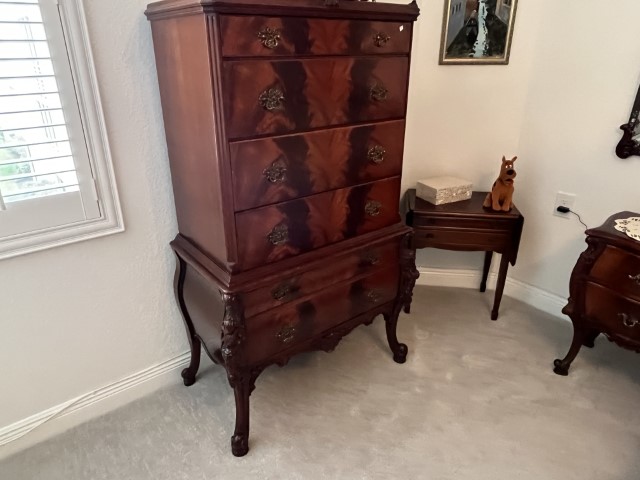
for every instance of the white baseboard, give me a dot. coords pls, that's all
(41, 426)
(534, 296)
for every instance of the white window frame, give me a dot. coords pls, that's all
(87, 92)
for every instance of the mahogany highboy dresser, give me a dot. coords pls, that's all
(285, 126)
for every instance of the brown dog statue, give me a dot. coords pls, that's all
(501, 195)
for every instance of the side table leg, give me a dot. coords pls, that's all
(485, 270)
(502, 277)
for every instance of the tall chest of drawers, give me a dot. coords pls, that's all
(605, 291)
(285, 127)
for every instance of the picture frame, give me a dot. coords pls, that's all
(477, 32)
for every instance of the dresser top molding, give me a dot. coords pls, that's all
(614, 237)
(360, 10)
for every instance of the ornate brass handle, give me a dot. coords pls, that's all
(372, 208)
(279, 235)
(376, 154)
(380, 39)
(276, 172)
(286, 334)
(373, 296)
(370, 258)
(378, 93)
(269, 37)
(284, 289)
(627, 320)
(271, 99)
(635, 278)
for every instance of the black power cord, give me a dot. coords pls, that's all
(562, 209)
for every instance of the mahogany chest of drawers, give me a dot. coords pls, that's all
(605, 291)
(285, 126)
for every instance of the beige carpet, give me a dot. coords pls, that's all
(476, 400)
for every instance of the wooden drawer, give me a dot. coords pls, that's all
(269, 97)
(269, 234)
(282, 168)
(275, 330)
(618, 315)
(618, 269)
(249, 36)
(340, 269)
(462, 239)
(464, 222)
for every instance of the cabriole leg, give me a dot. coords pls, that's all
(189, 373)
(399, 350)
(561, 367)
(590, 338)
(240, 440)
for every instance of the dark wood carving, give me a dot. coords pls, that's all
(629, 145)
(285, 127)
(604, 297)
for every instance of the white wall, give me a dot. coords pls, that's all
(79, 317)
(462, 119)
(76, 318)
(584, 80)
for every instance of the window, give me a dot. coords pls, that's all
(56, 178)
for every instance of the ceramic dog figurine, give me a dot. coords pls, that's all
(501, 195)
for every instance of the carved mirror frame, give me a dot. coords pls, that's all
(630, 143)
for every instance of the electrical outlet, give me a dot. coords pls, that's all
(563, 200)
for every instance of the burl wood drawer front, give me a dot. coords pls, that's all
(269, 97)
(618, 314)
(269, 234)
(276, 169)
(340, 269)
(619, 270)
(248, 36)
(460, 238)
(283, 327)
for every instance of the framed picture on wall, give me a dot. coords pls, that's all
(477, 32)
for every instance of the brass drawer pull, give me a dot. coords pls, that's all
(373, 296)
(376, 154)
(370, 258)
(271, 99)
(635, 279)
(283, 290)
(380, 39)
(269, 37)
(286, 334)
(627, 320)
(279, 235)
(372, 208)
(378, 93)
(276, 172)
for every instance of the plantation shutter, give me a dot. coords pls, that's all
(45, 173)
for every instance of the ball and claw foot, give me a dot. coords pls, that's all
(400, 355)
(188, 378)
(239, 445)
(560, 368)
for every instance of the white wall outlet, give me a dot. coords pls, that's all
(563, 199)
